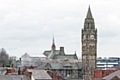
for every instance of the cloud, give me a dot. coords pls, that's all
(29, 25)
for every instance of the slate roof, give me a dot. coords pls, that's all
(56, 65)
(48, 52)
(39, 74)
(14, 77)
(56, 55)
(60, 64)
(68, 56)
(110, 76)
(42, 66)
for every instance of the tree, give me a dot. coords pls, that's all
(4, 57)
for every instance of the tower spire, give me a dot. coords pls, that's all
(53, 44)
(89, 14)
(53, 40)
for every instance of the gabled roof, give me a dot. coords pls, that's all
(25, 56)
(110, 76)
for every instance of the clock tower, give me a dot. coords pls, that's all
(89, 46)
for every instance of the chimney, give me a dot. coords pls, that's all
(12, 70)
(4, 66)
(19, 72)
(62, 51)
(20, 59)
(30, 75)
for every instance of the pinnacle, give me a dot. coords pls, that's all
(89, 14)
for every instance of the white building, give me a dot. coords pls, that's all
(107, 63)
(27, 60)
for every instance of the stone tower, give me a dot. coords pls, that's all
(89, 46)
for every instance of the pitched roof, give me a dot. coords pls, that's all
(110, 76)
(42, 66)
(56, 65)
(40, 74)
(25, 55)
(48, 52)
(68, 56)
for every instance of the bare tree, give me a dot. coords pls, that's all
(4, 57)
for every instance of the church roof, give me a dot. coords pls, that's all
(89, 14)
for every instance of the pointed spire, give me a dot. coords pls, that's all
(89, 14)
(53, 44)
(53, 40)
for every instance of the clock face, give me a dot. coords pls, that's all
(84, 37)
(91, 36)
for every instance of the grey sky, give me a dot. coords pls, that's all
(29, 25)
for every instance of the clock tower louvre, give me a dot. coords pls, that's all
(89, 46)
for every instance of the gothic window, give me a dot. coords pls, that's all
(90, 26)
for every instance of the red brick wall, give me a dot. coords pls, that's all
(54, 77)
(101, 73)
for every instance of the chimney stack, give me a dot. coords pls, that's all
(19, 71)
(62, 51)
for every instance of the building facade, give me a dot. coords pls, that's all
(108, 63)
(27, 60)
(89, 46)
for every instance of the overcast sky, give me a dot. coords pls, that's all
(29, 25)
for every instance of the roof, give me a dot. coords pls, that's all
(48, 52)
(25, 55)
(59, 64)
(14, 77)
(110, 76)
(68, 64)
(56, 65)
(68, 56)
(42, 66)
(39, 74)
